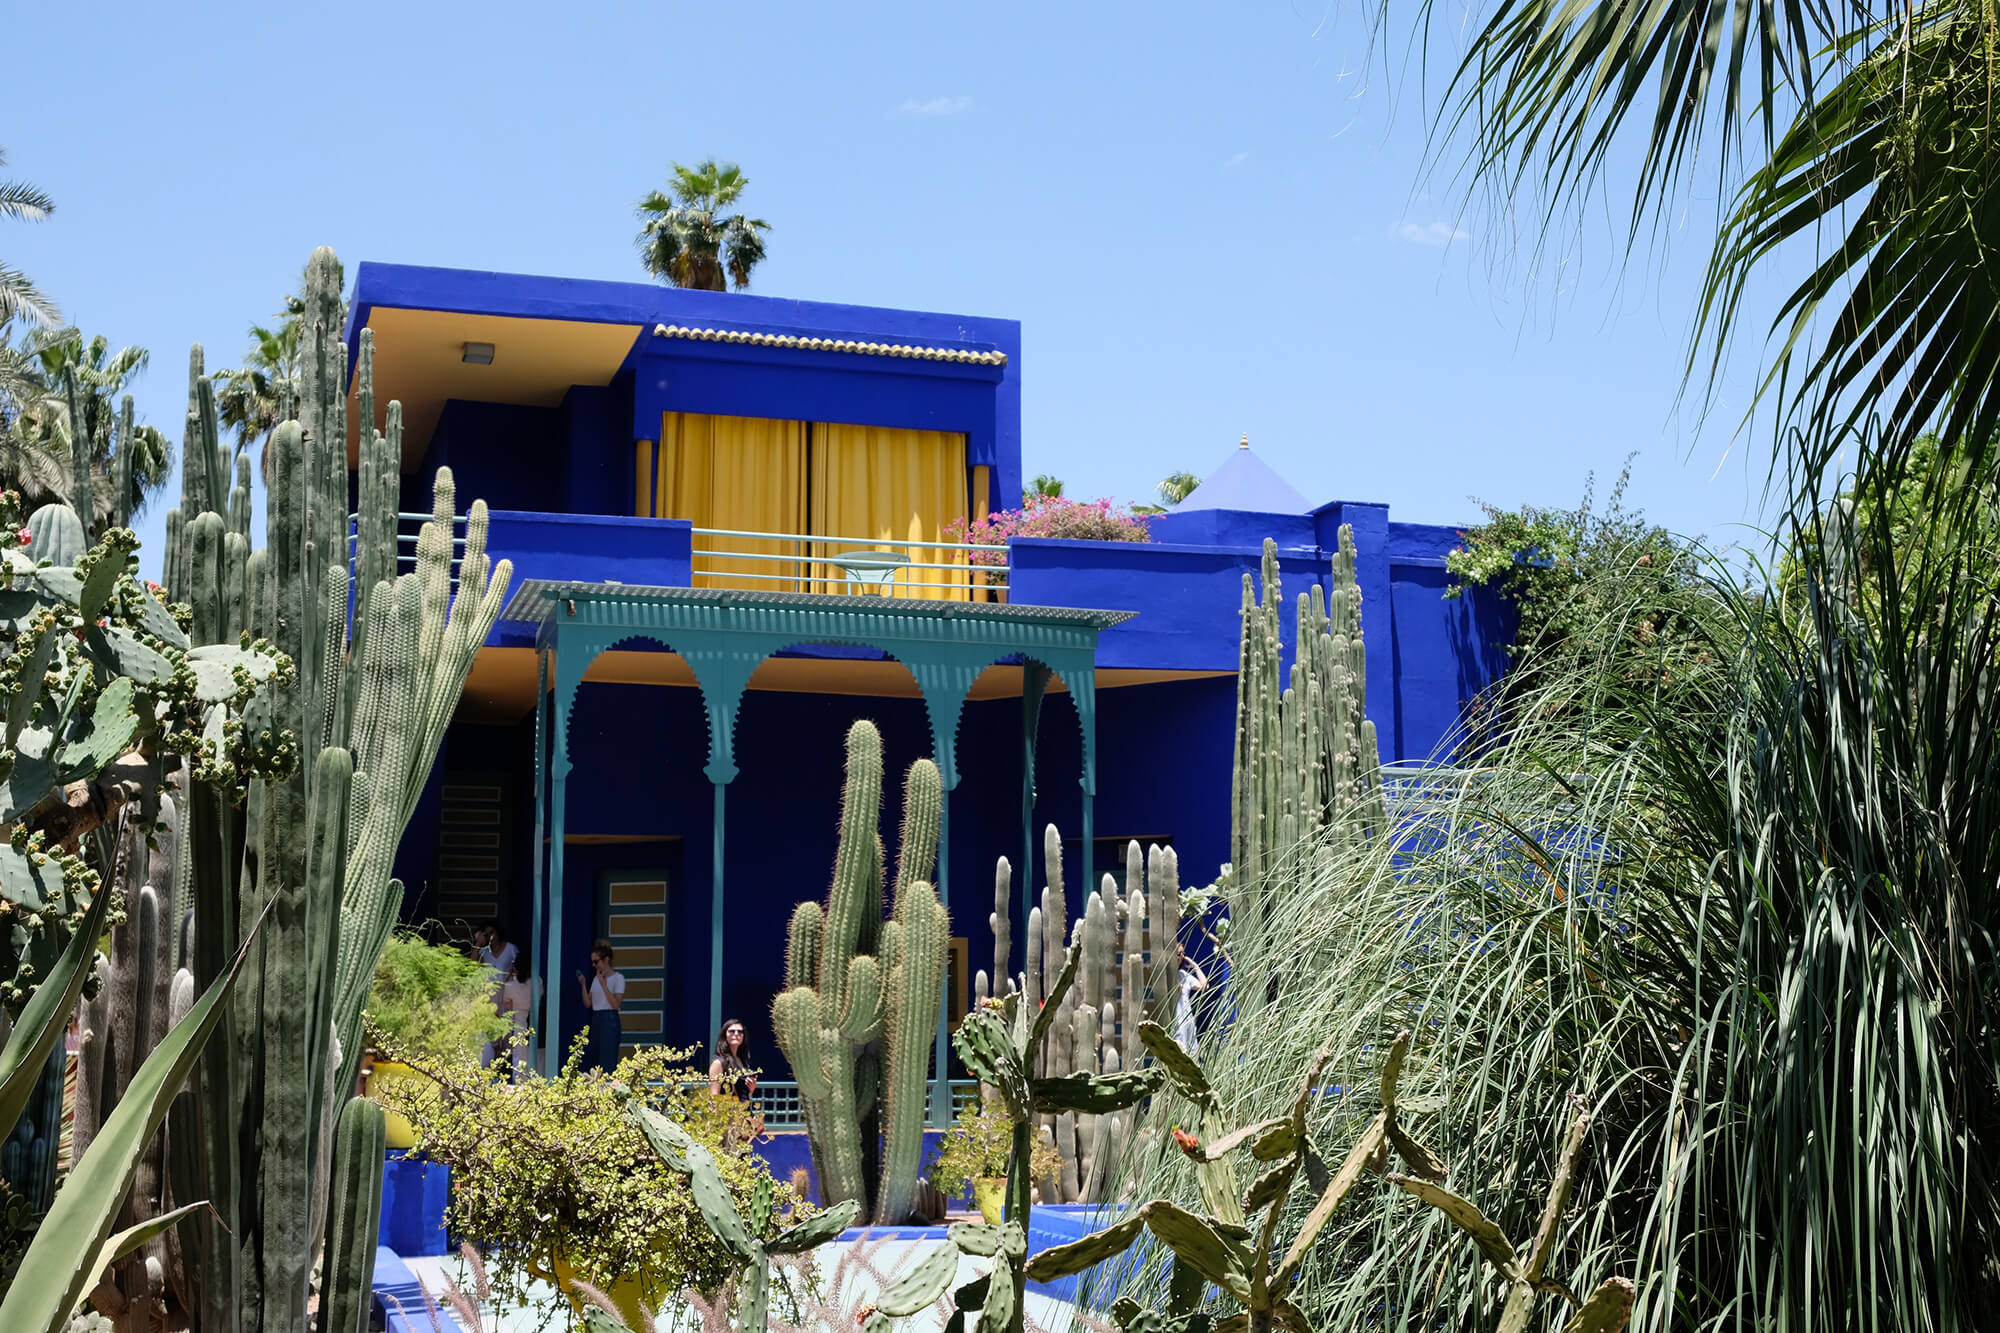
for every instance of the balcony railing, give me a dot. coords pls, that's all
(778, 1101)
(798, 562)
(408, 528)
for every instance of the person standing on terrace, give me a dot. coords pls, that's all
(604, 994)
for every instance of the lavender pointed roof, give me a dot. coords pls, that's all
(1246, 482)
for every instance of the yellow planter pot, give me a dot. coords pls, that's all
(990, 1193)
(399, 1133)
(629, 1294)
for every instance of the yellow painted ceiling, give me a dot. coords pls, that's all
(420, 362)
(501, 688)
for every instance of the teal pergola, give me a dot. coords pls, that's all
(724, 635)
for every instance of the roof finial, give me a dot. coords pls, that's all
(1246, 441)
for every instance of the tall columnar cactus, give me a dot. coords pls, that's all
(1127, 971)
(853, 982)
(1306, 753)
(355, 1204)
(349, 734)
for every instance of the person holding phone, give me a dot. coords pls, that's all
(603, 994)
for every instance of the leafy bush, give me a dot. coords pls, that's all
(1048, 516)
(433, 1001)
(1589, 586)
(976, 1145)
(554, 1166)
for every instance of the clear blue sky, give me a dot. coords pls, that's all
(1209, 220)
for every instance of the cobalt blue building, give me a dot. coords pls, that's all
(731, 524)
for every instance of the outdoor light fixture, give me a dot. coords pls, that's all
(478, 354)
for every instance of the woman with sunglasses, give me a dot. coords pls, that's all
(604, 994)
(731, 1070)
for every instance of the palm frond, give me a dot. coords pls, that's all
(23, 202)
(21, 299)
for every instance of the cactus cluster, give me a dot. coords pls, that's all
(1306, 754)
(1004, 1042)
(749, 1240)
(860, 1005)
(1236, 1246)
(1128, 971)
(237, 767)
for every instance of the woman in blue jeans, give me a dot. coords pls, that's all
(603, 994)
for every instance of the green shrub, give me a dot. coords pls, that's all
(976, 1146)
(549, 1166)
(432, 1001)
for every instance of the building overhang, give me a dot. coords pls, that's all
(548, 334)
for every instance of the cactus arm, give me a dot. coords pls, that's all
(922, 1285)
(1063, 1261)
(916, 985)
(1096, 1093)
(1486, 1234)
(1221, 1259)
(1358, 1157)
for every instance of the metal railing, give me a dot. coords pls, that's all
(811, 562)
(778, 1102)
(408, 528)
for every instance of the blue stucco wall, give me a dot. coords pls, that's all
(591, 548)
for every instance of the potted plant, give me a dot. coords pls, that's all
(972, 1155)
(431, 1004)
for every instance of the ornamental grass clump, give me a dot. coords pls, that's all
(553, 1181)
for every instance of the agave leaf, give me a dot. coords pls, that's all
(131, 1238)
(54, 1274)
(45, 1018)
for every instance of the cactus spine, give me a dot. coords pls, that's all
(1126, 971)
(853, 981)
(1306, 753)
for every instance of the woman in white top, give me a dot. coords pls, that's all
(1193, 982)
(517, 998)
(604, 993)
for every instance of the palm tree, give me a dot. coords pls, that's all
(19, 298)
(250, 399)
(35, 455)
(685, 240)
(1863, 130)
(1045, 486)
(1177, 487)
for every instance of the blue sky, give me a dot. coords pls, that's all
(1210, 220)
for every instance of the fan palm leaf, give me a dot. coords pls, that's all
(19, 297)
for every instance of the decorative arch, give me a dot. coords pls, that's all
(724, 635)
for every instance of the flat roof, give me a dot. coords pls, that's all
(550, 333)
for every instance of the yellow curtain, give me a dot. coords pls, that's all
(642, 491)
(878, 484)
(744, 473)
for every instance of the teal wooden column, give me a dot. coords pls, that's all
(538, 956)
(1034, 682)
(572, 657)
(715, 950)
(1082, 682)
